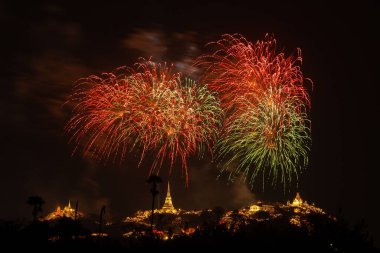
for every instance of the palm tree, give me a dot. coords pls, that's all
(36, 202)
(154, 180)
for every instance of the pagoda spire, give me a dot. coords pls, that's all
(168, 205)
(168, 191)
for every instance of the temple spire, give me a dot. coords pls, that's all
(168, 191)
(168, 205)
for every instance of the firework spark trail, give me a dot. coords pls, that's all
(266, 130)
(149, 109)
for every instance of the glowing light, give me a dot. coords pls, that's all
(297, 200)
(65, 212)
(99, 235)
(232, 220)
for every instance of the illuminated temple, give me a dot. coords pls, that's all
(65, 212)
(168, 204)
(186, 222)
(297, 200)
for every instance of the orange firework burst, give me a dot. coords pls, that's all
(148, 108)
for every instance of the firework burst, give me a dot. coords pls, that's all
(148, 109)
(263, 94)
(269, 137)
(239, 68)
(100, 124)
(175, 118)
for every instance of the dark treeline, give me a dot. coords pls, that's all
(272, 235)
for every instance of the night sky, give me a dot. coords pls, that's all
(45, 47)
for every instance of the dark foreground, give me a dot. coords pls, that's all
(274, 235)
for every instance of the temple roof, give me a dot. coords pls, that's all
(297, 200)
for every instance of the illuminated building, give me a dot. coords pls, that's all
(168, 204)
(301, 206)
(254, 208)
(66, 212)
(297, 200)
(186, 222)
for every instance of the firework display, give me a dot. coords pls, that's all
(263, 93)
(252, 112)
(148, 109)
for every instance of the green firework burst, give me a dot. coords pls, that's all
(270, 136)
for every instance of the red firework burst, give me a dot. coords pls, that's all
(239, 68)
(99, 124)
(148, 108)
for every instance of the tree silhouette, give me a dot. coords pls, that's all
(218, 213)
(102, 212)
(154, 180)
(76, 210)
(36, 202)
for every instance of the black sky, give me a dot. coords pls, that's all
(46, 46)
